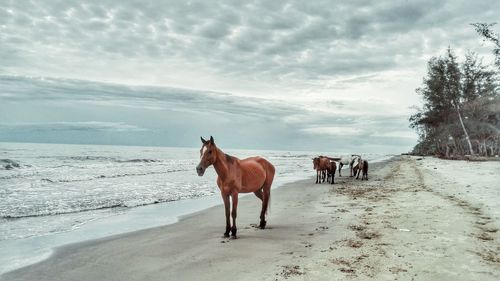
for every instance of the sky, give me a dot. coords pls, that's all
(290, 75)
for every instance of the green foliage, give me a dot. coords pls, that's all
(451, 91)
(485, 30)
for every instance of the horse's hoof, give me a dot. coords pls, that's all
(226, 235)
(233, 231)
(262, 224)
(233, 237)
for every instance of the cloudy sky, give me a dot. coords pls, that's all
(299, 75)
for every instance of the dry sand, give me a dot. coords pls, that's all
(408, 222)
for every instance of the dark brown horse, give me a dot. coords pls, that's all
(332, 167)
(234, 176)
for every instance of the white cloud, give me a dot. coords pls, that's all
(73, 126)
(229, 46)
(316, 64)
(333, 131)
(35, 108)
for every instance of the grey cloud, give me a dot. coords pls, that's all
(82, 111)
(284, 45)
(340, 37)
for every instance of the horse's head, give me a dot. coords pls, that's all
(315, 162)
(208, 155)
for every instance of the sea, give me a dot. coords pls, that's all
(56, 194)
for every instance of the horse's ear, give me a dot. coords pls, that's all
(203, 140)
(211, 140)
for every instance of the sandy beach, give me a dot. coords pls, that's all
(415, 219)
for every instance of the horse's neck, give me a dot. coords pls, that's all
(221, 166)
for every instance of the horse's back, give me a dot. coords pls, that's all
(324, 163)
(255, 171)
(344, 160)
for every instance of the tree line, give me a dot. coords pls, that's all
(461, 111)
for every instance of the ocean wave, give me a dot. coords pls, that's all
(19, 176)
(298, 156)
(125, 204)
(62, 212)
(139, 161)
(101, 158)
(111, 176)
(8, 164)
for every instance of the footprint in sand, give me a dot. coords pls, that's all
(307, 244)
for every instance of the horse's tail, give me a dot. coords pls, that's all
(268, 211)
(270, 172)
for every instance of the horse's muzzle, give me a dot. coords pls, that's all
(200, 170)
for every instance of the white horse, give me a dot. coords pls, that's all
(352, 161)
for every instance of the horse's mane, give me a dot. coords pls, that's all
(229, 158)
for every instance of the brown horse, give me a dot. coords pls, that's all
(321, 165)
(332, 167)
(234, 176)
(362, 167)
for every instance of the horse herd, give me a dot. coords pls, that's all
(326, 166)
(256, 174)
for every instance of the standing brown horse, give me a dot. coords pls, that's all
(234, 176)
(332, 167)
(325, 168)
(321, 165)
(362, 167)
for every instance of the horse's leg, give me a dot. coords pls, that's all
(258, 193)
(234, 198)
(340, 168)
(317, 176)
(333, 176)
(226, 206)
(265, 204)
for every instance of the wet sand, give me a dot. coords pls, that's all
(408, 222)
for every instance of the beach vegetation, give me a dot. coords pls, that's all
(460, 115)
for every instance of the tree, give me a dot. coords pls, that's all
(484, 29)
(460, 112)
(452, 90)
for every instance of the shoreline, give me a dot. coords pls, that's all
(35, 249)
(30, 250)
(214, 203)
(411, 220)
